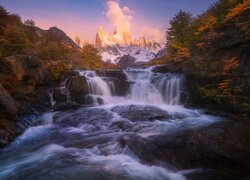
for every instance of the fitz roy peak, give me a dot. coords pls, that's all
(119, 45)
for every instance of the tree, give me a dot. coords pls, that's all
(207, 24)
(29, 22)
(91, 58)
(78, 40)
(178, 36)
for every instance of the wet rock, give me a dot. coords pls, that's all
(78, 84)
(93, 116)
(60, 94)
(7, 102)
(123, 124)
(62, 106)
(78, 89)
(141, 113)
(223, 148)
(8, 130)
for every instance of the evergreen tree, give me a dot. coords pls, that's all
(178, 36)
(91, 58)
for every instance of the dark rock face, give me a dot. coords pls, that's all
(24, 84)
(27, 68)
(175, 67)
(126, 61)
(141, 113)
(7, 102)
(223, 148)
(78, 88)
(26, 80)
(8, 130)
(74, 92)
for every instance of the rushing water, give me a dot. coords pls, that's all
(88, 143)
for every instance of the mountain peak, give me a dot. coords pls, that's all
(120, 46)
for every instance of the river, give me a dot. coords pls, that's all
(106, 139)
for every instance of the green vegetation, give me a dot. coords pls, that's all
(178, 35)
(90, 58)
(214, 44)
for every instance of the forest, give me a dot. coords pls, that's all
(214, 45)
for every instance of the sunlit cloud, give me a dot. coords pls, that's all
(118, 17)
(151, 34)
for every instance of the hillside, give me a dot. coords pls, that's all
(214, 49)
(32, 61)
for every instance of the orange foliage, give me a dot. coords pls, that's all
(224, 85)
(230, 65)
(200, 45)
(238, 9)
(208, 24)
(183, 54)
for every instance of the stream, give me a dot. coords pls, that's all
(108, 140)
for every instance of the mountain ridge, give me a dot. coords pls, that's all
(113, 47)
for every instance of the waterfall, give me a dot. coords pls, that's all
(154, 88)
(146, 87)
(64, 89)
(142, 90)
(99, 89)
(170, 87)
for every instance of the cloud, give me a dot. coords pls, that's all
(119, 17)
(152, 34)
(126, 9)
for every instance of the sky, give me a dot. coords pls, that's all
(148, 18)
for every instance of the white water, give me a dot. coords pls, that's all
(85, 143)
(146, 88)
(98, 88)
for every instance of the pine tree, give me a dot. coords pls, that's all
(178, 36)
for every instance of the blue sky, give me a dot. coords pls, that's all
(82, 17)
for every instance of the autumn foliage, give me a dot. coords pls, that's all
(230, 65)
(215, 45)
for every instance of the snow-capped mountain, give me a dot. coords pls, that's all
(113, 47)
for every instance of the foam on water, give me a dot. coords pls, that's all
(88, 146)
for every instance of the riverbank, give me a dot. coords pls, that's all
(212, 91)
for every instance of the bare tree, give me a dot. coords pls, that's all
(29, 22)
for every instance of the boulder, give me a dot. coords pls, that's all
(62, 106)
(126, 61)
(73, 91)
(77, 84)
(141, 113)
(78, 89)
(74, 118)
(221, 147)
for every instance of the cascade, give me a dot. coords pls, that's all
(146, 87)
